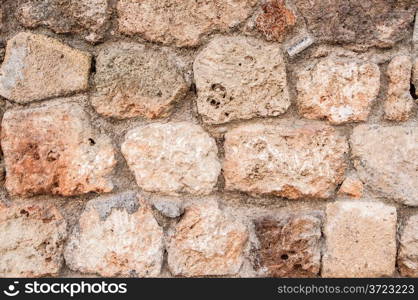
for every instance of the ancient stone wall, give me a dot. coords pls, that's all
(231, 138)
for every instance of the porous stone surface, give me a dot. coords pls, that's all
(32, 240)
(182, 23)
(53, 149)
(172, 158)
(207, 241)
(379, 23)
(360, 239)
(116, 236)
(290, 245)
(240, 78)
(399, 102)
(385, 159)
(36, 67)
(408, 248)
(338, 90)
(276, 20)
(86, 17)
(351, 187)
(291, 162)
(132, 80)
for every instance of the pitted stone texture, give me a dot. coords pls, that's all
(351, 187)
(290, 246)
(399, 102)
(172, 158)
(240, 78)
(337, 90)
(53, 150)
(371, 23)
(408, 248)
(276, 20)
(292, 162)
(182, 23)
(386, 160)
(116, 237)
(207, 241)
(32, 240)
(132, 80)
(86, 17)
(360, 239)
(37, 67)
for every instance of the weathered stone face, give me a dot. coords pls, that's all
(53, 150)
(351, 187)
(276, 20)
(337, 90)
(32, 239)
(240, 78)
(385, 158)
(291, 162)
(132, 80)
(360, 239)
(37, 67)
(172, 158)
(116, 237)
(206, 241)
(290, 246)
(378, 23)
(408, 248)
(86, 17)
(399, 102)
(182, 23)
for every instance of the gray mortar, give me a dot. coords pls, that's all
(105, 204)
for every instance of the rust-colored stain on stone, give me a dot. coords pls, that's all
(276, 20)
(290, 246)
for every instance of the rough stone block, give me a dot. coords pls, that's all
(172, 158)
(53, 149)
(134, 81)
(240, 78)
(408, 248)
(292, 162)
(399, 102)
(339, 91)
(360, 239)
(32, 240)
(182, 23)
(86, 17)
(290, 245)
(207, 241)
(386, 160)
(116, 236)
(37, 67)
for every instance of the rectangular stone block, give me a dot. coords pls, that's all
(360, 239)
(291, 162)
(31, 241)
(53, 149)
(290, 245)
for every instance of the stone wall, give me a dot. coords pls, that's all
(223, 138)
